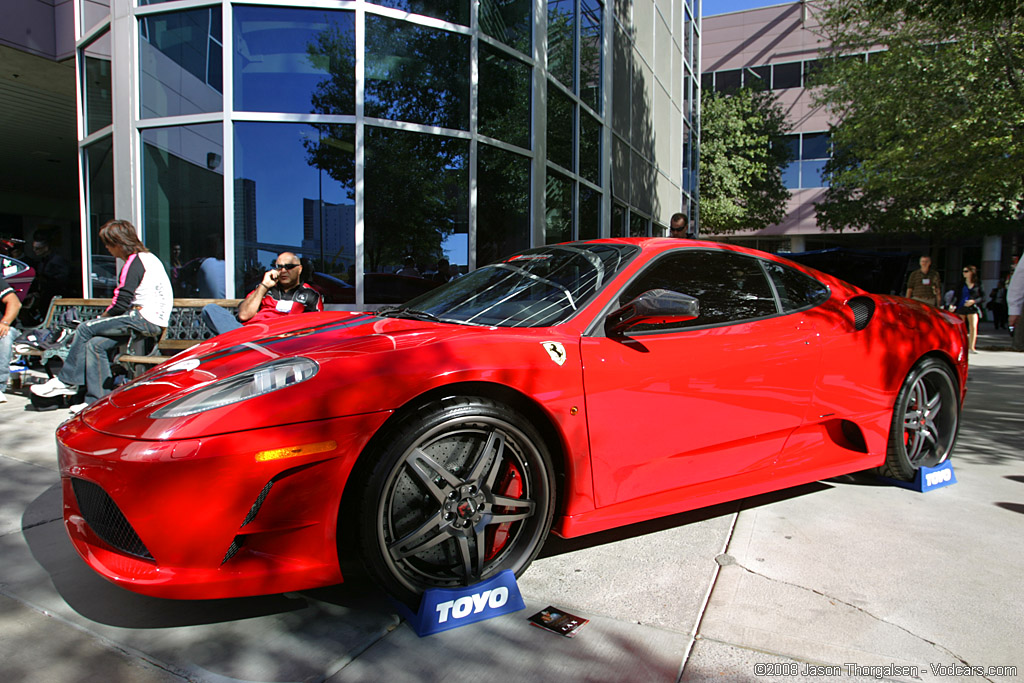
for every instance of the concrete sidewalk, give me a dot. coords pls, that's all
(846, 571)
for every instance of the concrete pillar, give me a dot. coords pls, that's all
(991, 257)
(797, 243)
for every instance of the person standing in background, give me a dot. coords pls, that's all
(1014, 304)
(924, 284)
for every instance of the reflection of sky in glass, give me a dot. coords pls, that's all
(272, 155)
(273, 68)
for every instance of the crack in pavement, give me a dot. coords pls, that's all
(725, 560)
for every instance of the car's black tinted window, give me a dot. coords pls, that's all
(795, 289)
(730, 287)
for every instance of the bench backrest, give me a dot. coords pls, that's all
(185, 328)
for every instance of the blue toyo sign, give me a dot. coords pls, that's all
(928, 478)
(442, 609)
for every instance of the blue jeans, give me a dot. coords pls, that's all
(88, 361)
(219, 319)
(6, 342)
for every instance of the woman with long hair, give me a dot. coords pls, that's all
(141, 304)
(967, 302)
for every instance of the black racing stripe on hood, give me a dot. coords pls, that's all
(284, 336)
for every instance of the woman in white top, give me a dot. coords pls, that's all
(142, 303)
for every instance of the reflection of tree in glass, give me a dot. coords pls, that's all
(455, 11)
(417, 193)
(509, 21)
(504, 97)
(416, 185)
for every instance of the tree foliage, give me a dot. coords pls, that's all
(930, 126)
(742, 152)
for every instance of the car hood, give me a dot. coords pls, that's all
(366, 364)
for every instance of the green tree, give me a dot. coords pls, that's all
(742, 152)
(930, 127)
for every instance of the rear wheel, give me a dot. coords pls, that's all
(925, 420)
(459, 491)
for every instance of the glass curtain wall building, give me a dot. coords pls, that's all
(378, 140)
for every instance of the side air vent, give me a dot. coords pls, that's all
(863, 309)
(106, 519)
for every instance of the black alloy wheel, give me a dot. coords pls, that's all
(925, 420)
(460, 490)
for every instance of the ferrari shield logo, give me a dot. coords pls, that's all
(555, 350)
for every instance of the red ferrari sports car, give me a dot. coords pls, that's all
(568, 389)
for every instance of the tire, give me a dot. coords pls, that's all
(925, 420)
(458, 491)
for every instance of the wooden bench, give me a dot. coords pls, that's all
(184, 330)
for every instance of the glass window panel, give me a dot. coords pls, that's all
(637, 225)
(811, 68)
(509, 21)
(622, 53)
(98, 165)
(93, 12)
(454, 11)
(96, 83)
(504, 97)
(791, 175)
(503, 204)
(792, 142)
(176, 53)
(416, 74)
(561, 128)
(812, 173)
(294, 60)
(758, 77)
(727, 81)
(786, 75)
(562, 41)
(590, 213)
(795, 289)
(417, 211)
(731, 288)
(558, 208)
(590, 148)
(618, 226)
(591, 35)
(815, 146)
(293, 191)
(707, 81)
(620, 169)
(183, 197)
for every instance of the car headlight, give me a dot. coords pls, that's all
(258, 381)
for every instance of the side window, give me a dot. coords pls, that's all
(795, 289)
(731, 287)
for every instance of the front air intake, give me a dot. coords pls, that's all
(863, 308)
(106, 519)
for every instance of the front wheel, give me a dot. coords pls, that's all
(459, 491)
(925, 420)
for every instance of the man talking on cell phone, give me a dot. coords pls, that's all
(281, 292)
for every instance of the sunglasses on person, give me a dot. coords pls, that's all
(284, 266)
(677, 229)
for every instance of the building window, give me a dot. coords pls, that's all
(294, 60)
(183, 194)
(504, 97)
(453, 11)
(416, 211)
(810, 152)
(96, 84)
(180, 62)
(416, 74)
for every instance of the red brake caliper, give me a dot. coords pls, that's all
(510, 485)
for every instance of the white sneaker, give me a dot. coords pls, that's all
(77, 408)
(53, 387)
(3, 399)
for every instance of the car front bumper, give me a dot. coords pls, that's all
(245, 513)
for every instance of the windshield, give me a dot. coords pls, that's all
(535, 288)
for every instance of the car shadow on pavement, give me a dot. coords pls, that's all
(559, 546)
(97, 599)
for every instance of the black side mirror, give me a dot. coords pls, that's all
(655, 306)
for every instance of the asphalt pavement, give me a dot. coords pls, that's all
(841, 580)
